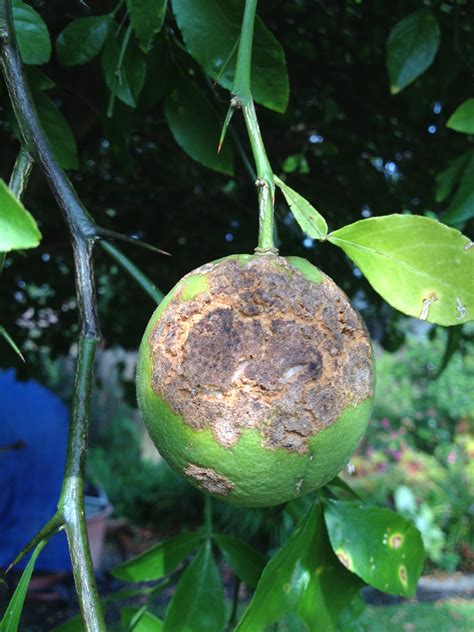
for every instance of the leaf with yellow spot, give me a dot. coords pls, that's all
(420, 266)
(378, 545)
(304, 578)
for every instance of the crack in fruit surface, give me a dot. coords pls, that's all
(260, 347)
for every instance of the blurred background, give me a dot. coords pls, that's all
(354, 150)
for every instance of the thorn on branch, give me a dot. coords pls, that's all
(50, 528)
(228, 117)
(112, 234)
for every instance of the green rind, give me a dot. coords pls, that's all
(196, 284)
(310, 272)
(260, 476)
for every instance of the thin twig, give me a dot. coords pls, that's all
(235, 604)
(19, 179)
(208, 514)
(21, 173)
(117, 74)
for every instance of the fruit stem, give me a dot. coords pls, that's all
(242, 99)
(208, 514)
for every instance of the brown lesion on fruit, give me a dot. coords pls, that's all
(209, 480)
(262, 348)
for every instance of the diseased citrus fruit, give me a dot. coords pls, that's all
(255, 378)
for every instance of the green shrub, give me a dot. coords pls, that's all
(408, 388)
(144, 492)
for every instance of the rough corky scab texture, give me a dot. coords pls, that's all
(262, 346)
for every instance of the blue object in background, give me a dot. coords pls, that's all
(31, 476)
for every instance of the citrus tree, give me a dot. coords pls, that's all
(253, 423)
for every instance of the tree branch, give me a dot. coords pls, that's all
(83, 233)
(71, 503)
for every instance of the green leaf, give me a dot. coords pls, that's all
(160, 560)
(139, 621)
(136, 619)
(72, 625)
(310, 221)
(418, 265)
(339, 484)
(157, 72)
(246, 562)
(31, 33)
(305, 578)
(11, 618)
(147, 17)
(210, 30)
(295, 162)
(58, 131)
(123, 77)
(18, 229)
(462, 119)
(198, 603)
(82, 40)
(411, 48)
(453, 343)
(195, 125)
(4, 334)
(380, 546)
(447, 179)
(38, 80)
(461, 207)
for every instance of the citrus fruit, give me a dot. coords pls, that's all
(255, 378)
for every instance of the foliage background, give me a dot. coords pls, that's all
(347, 143)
